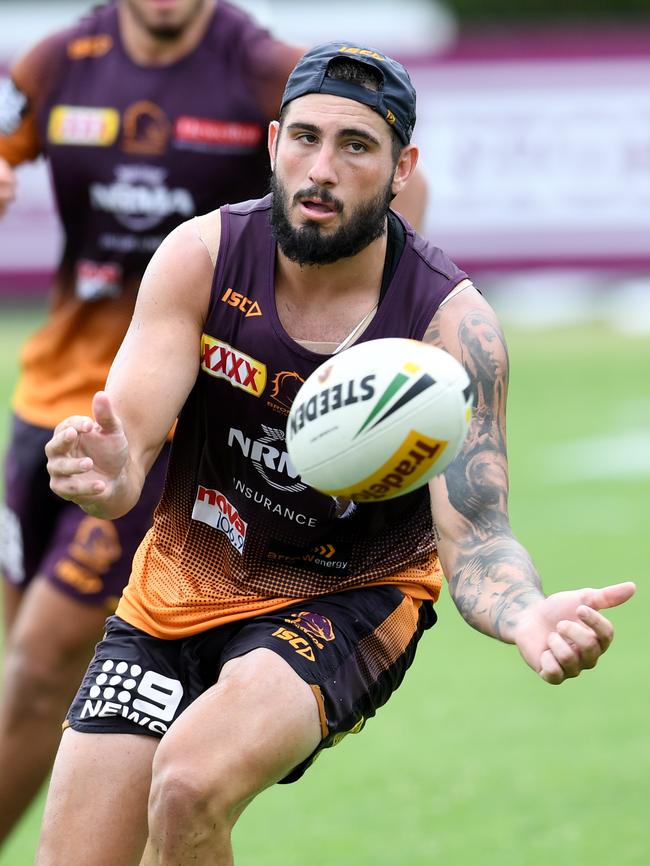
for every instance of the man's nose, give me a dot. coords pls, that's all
(323, 169)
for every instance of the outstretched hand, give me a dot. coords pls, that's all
(564, 634)
(87, 457)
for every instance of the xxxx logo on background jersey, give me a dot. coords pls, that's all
(223, 361)
(78, 125)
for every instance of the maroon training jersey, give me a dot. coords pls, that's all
(237, 531)
(134, 150)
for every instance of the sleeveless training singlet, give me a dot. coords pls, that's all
(134, 150)
(237, 532)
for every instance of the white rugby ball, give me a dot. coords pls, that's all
(379, 419)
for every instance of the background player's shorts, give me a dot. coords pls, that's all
(352, 648)
(40, 533)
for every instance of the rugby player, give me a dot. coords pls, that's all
(235, 657)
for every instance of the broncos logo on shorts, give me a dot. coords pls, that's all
(315, 624)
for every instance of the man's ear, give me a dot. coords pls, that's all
(272, 144)
(405, 167)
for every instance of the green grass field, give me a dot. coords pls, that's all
(476, 762)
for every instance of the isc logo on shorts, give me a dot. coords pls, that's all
(223, 361)
(148, 699)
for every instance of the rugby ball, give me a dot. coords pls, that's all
(379, 419)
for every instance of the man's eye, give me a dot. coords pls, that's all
(357, 146)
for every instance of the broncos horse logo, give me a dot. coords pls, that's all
(285, 387)
(314, 623)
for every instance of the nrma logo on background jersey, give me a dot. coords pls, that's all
(140, 199)
(214, 509)
(268, 455)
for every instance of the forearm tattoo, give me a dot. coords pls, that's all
(492, 578)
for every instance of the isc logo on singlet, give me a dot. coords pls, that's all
(241, 302)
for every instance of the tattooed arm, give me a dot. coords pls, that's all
(491, 577)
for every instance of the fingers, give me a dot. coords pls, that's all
(63, 465)
(66, 435)
(77, 488)
(67, 466)
(576, 646)
(610, 596)
(104, 414)
(550, 669)
(72, 478)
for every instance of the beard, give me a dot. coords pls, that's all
(165, 32)
(307, 245)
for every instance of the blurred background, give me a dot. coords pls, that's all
(534, 125)
(534, 129)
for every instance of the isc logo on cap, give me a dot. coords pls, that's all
(364, 52)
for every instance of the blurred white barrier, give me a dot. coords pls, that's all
(532, 159)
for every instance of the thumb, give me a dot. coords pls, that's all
(609, 596)
(104, 414)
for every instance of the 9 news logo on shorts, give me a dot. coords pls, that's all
(121, 689)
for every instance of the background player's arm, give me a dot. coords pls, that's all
(21, 94)
(100, 463)
(24, 92)
(411, 202)
(267, 62)
(18, 138)
(491, 577)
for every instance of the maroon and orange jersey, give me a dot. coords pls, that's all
(133, 150)
(237, 531)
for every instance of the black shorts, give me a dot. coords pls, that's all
(85, 558)
(353, 648)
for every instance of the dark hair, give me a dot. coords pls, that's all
(346, 69)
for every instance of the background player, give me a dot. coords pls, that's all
(227, 642)
(148, 114)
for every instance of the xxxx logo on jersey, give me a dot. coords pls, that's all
(240, 370)
(404, 386)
